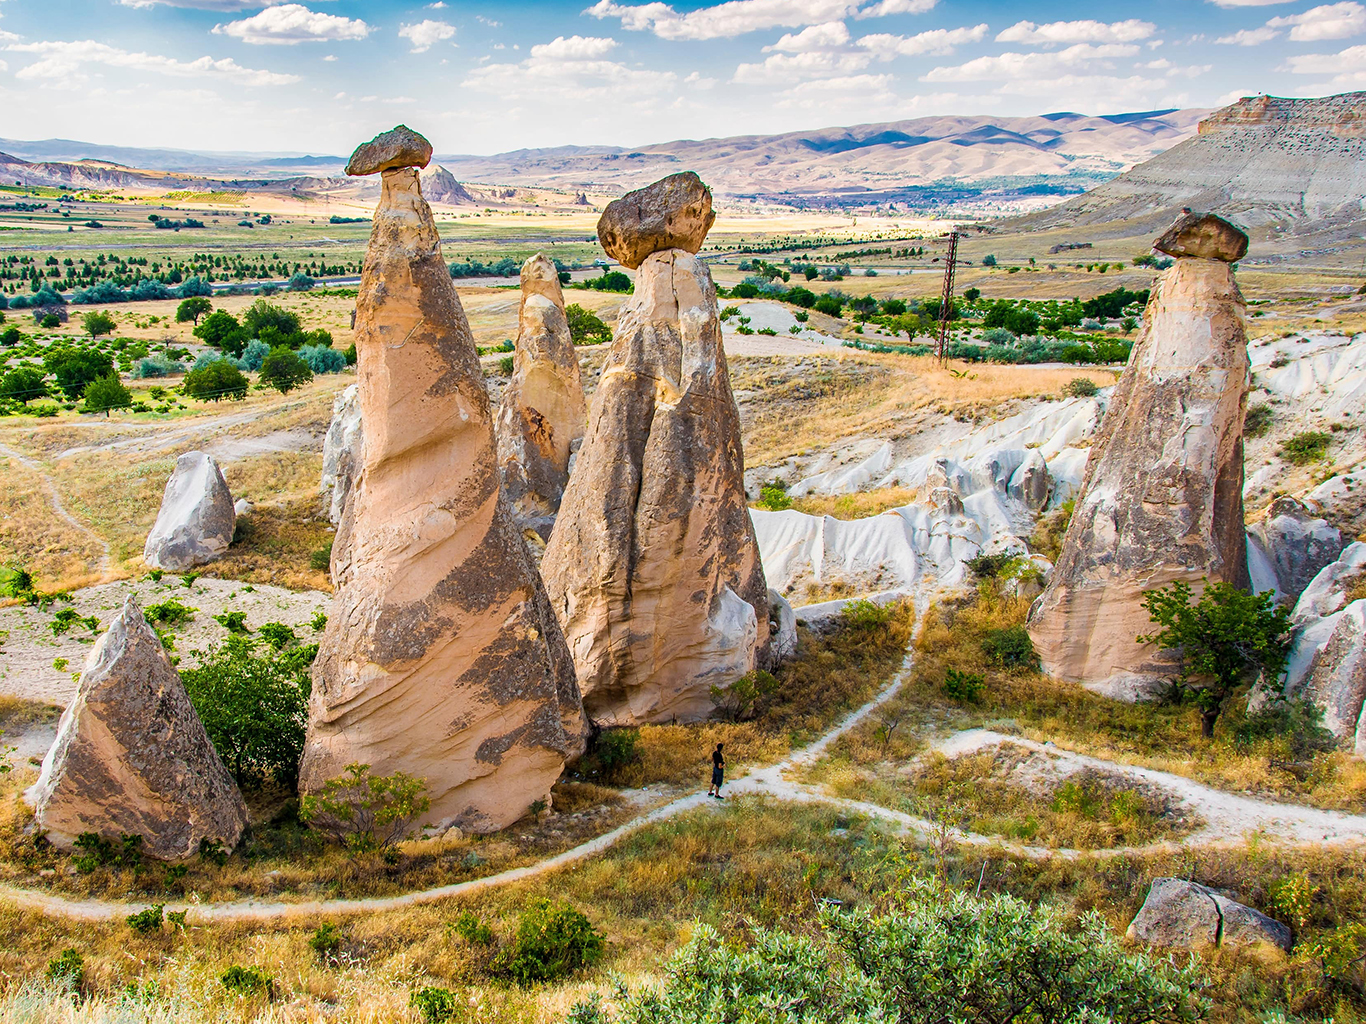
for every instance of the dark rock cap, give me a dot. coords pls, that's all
(673, 213)
(1204, 235)
(398, 147)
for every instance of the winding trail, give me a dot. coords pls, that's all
(1229, 820)
(56, 500)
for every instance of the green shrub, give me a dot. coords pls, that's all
(326, 941)
(472, 930)
(986, 567)
(1010, 648)
(254, 706)
(170, 613)
(233, 622)
(278, 635)
(740, 701)
(505, 365)
(1296, 724)
(585, 327)
(94, 851)
(68, 617)
(434, 1005)
(321, 559)
(247, 981)
(1306, 448)
(616, 749)
(552, 941)
(67, 970)
(774, 497)
(1081, 387)
(964, 686)
(864, 616)
(147, 922)
(363, 811)
(1258, 421)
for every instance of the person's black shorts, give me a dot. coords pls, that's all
(717, 774)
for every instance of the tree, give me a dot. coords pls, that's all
(215, 381)
(76, 368)
(1224, 639)
(263, 314)
(192, 309)
(585, 327)
(106, 393)
(23, 384)
(222, 330)
(284, 370)
(96, 324)
(989, 260)
(254, 707)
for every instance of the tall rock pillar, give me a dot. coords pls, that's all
(653, 567)
(1162, 497)
(543, 410)
(441, 656)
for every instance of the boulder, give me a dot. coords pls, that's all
(196, 521)
(542, 411)
(652, 567)
(341, 451)
(1184, 915)
(441, 657)
(1334, 677)
(1031, 483)
(785, 636)
(1327, 592)
(1162, 497)
(1203, 236)
(673, 213)
(132, 757)
(1293, 544)
(398, 147)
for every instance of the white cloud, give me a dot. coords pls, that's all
(290, 24)
(736, 17)
(1027, 32)
(483, 20)
(1331, 21)
(223, 6)
(440, 5)
(570, 70)
(827, 51)
(1249, 37)
(426, 34)
(939, 41)
(1011, 66)
(330, 58)
(64, 61)
(574, 48)
(781, 69)
(827, 36)
(1161, 64)
(1348, 67)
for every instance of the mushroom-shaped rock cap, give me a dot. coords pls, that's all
(1204, 235)
(673, 213)
(398, 147)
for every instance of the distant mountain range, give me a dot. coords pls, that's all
(921, 162)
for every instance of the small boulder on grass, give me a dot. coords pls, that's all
(1185, 915)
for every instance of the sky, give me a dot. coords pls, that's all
(321, 76)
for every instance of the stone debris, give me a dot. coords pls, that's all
(1288, 547)
(398, 147)
(132, 757)
(341, 451)
(653, 567)
(197, 519)
(673, 213)
(542, 411)
(1162, 497)
(1203, 236)
(441, 657)
(1183, 915)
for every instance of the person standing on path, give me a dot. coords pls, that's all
(718, 772)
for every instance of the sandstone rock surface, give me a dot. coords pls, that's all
(653, 567)
(1184, 915)
(673, 213)
(1162, 497)
(1205, 236)
(131, 756)
(398, 147)
(1291, 546)
(441, 656)
(197, 518)
(341, 451)
(543, 410)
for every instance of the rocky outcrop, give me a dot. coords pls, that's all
(196, 520)
(341, 451)
(1162, 497)
(1184, 915)
(673, 213)
(395, 149)
(132, 757)
(542, 411)
(1204, 236)
(653, 567)
(441, 186)
(1289, 547)
(441, 656)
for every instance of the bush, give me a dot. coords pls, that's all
(472, 930)
(326, 941)
(987, 567)
(284, 370)
(216, 380)
(321, 359)
(1081, 387)
(552, 941)
(774, 497)
(99, 293)
(506, 365)
(363, 811)
(156, 366)
(97, 324)
(434, 1005)
(1010, 648)
(616, 749)
(254, 354)
(999, 336)
(964, 686)
(1257, 422)
(261, 315)
(170, 613)
(829, 305)
(1308, 447)
(301, 282)
(321, 559)
(147, 922)
(105, 394)
(67, 970)
(254, 706)
(585, 327)
(738, 701)
(611, 281)
(247, 981)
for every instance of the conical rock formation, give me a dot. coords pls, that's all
(543, 410)
(441, 656)
(132, 757)
(1162, 497)
(653, 567)
(441, 186)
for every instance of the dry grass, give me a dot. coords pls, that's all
(854, 506)
(31, 533)
(275, 544)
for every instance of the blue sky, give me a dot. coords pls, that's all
(483, 77)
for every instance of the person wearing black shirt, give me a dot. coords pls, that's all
(718, 772)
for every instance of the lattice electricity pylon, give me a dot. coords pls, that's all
(941, 346)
